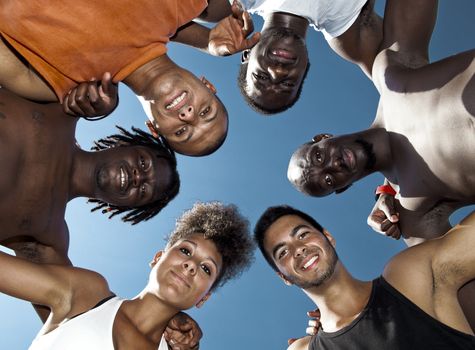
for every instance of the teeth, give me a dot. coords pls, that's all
(310, 262)
(122, 178)
(176, 101)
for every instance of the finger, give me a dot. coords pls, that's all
(107, 87)
(93, 93)
(311, 330)
(313, 323)
(386, 224)
(236, 9)
(73, 106)
(248, 25)
(82, 100)
(66, 108)
(387, 206)
(314, 313)
(253, 40)
(394, 232)
(291, 340)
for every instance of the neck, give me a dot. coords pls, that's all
(340, 299)
(378, 138)
(83, 172)
(141, 80)
(297, 24)
(149, 315)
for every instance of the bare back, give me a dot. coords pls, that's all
(36, 144)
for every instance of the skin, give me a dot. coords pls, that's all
(45, 169)
(180, 277)
(188, 129)
(341, 297)
(276, 65)
(436, 182)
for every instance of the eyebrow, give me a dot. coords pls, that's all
(208, 257)
(291, 235)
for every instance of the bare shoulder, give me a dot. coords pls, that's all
(300, 344)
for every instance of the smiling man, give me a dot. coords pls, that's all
(412, 305)
(127, 40)
(273, 71)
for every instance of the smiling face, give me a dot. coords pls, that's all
(304, 256)
(186, 271)
(276, 68)
(130, 176)
(331, 164)
(187, 113)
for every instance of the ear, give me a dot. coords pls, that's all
(153, 130)
(330, 238)
(245, 56)
(282, 277)
(203, 300)
(208, 84)
(156, 258)
(320, 137)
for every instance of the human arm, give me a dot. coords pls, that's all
(183, 333)
(92, 99)
(229, 36)
(300, 344)
(216, 11)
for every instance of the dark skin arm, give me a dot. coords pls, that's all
(216, 11)
(229, 36)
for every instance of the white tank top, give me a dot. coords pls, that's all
(91, 330)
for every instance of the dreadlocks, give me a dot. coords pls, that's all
(139, 137)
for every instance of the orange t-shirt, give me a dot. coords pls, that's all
(71, 41)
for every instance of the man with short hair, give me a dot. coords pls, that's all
(422, 139)
(412, 305)
(273, 71)
(48, 48)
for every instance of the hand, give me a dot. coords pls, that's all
(313, 325)
(384, 218)
(183, 333)
(92, 98)
(230, 34)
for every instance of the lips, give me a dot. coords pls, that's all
(177, 102)
(180, 279)
(283, 56)
(310, 262)
(349, 158)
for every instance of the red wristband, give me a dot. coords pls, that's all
(385, 189)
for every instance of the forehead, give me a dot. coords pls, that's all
(281, 230)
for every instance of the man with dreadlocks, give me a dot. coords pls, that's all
(131, 173)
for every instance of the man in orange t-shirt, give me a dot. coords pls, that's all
(49, 47)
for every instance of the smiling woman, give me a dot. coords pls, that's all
(138, 177)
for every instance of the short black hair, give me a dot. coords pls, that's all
(266, 110)
(271, 215)
(226, 228)
(159, 146)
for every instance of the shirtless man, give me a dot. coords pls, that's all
(272, 72)
(422, 139)
(412, 305)
(129, 41)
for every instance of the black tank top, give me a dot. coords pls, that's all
(390, 321)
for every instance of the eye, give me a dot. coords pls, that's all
(142, 162)
(205, 111)
(318, 157)
(181, 131)
(206, 269)
(260, 76)
(282, 253)
(302, 235)
(328, 180)
(185, 251)
(288, 83)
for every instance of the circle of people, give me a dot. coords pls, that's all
(46, 79)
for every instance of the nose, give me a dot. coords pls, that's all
(186, 114)
(137, 177)
(301, 251)
(189, 266)
(277, 72)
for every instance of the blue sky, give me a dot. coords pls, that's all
(256, 311)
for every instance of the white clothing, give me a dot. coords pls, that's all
(331, 17)
(91, 330)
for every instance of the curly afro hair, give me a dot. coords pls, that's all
(226, 227)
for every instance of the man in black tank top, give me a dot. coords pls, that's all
(413, 305)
